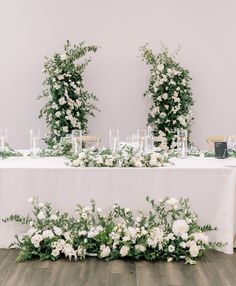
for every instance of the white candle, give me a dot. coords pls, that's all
(141, 145)
(75, 145)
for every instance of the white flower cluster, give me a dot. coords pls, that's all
(126, 157)
(169, 232)
(69, 104)
(169, 88)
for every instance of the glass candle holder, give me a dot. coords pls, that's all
(76, 140)
(141, 134)
(182, 141)
(3, 139)
(34, 142)
(114, 139)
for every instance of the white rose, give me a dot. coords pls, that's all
(63, 57)
(65, 129)
(99, 160)
(60, 77)
(41, 215)
(36, 239)
(179, 227)
(55, 252)
(47, 234)
(105, 250)
(58, 114)
(153, 162)
(109, 162)
(171, 248)
(99, 210)
(84, 216)
(54, 217)
(184, 236)
(140, 247)
(82, 155)
(194, 251)
(41, 205)
(165, 96)
(170, 259)
(160, 67)
(138, 164)
(62, 101)
(124, 250)
(183, 244)
(172, 202)
(57, 230)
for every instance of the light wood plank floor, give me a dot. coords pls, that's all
(215, 269)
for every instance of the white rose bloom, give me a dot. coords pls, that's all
(140, 247)
(62, 101)
(67, 235)
(47, 234)
(105, 250)
(55, 252)
(138, 164)
(153, 162)
(184, 236)
(36, 239)
(41, 205)
(109, 162)
(165, 96)
(160, 67)
(191, 243)
(82, 155)
(41, 215)
(58, 114)
(183, 244)
(30, 200)
(170, 236)
(65, 129)
(60, 77)
(63, 57)
(82, 232)
(99, 210)
(78, 102)
(179, 227)
(170, 259)
(99, 160)
(124, 250)
(171, 248)
(57, 230)
(57, 86)
(54, 217)
(194, 251)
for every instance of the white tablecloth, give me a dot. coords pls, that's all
(207, 182)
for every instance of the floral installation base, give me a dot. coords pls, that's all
(168, 232)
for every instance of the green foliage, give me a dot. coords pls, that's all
(169, 231)
(171, 95)
(69, 104)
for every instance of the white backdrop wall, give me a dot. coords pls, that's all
(30, 30)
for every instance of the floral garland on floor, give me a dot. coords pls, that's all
(169, 232)
(169, 88)
(126, 157)
(69, 104)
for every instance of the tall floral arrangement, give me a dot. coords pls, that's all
(69, 104)
(170, 91)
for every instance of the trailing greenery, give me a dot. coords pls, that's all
(171, 95)
(169, 231)
(9, 152)
(69, 104)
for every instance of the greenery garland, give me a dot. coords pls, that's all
(9, 152)
(170, 91)
(69, 104)
(168, 232)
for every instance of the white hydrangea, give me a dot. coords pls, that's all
(62, 101)
(36, 239)
(179, 227)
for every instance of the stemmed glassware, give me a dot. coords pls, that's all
(149, 141)
(3, 139)
(34, 142)
(114, 139)
(141, 134)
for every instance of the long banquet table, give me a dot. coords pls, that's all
(207, 182)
